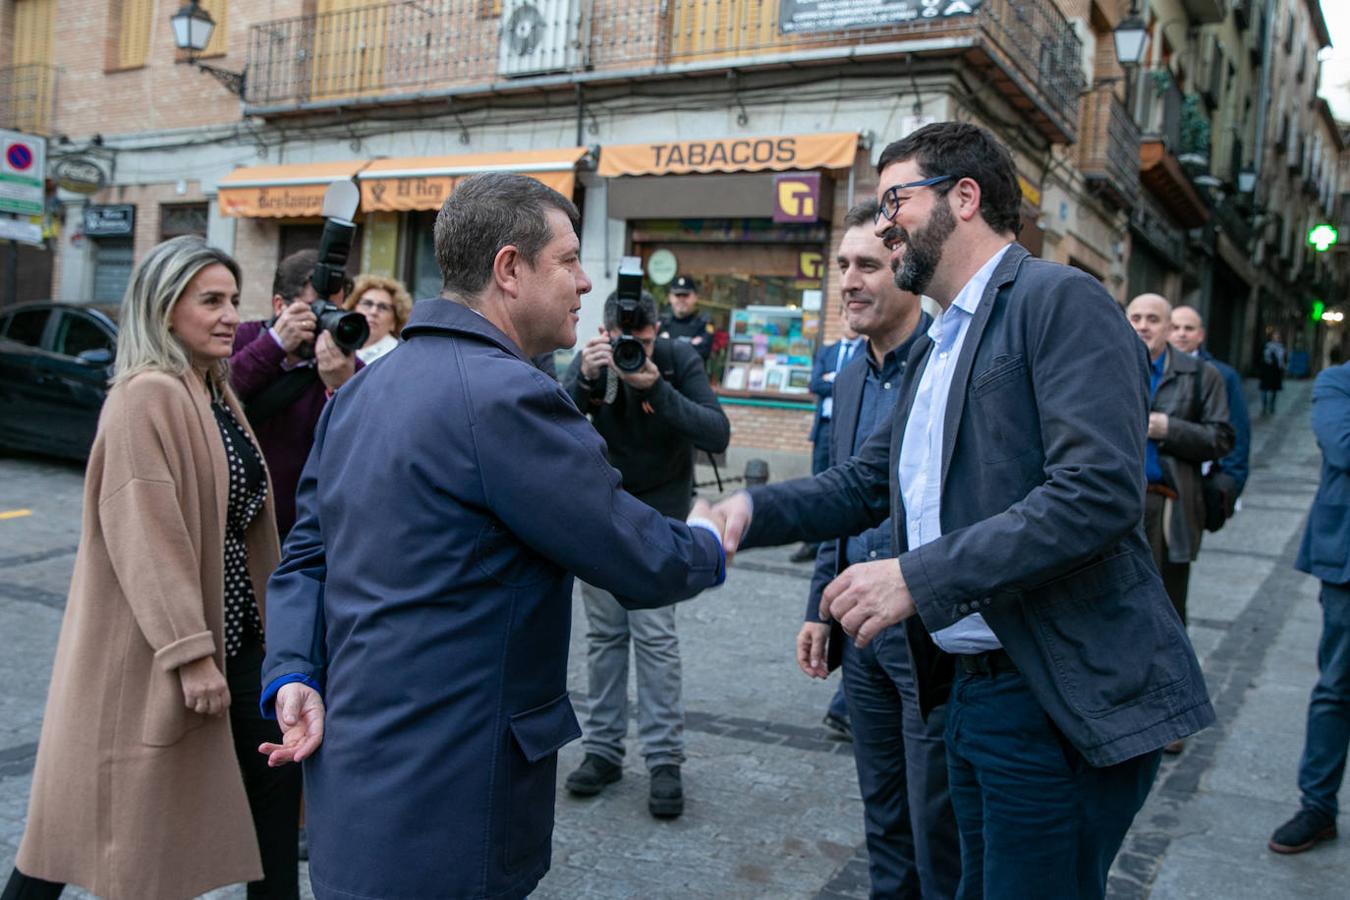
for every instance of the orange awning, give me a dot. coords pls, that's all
(389, 185)
(282, 192)
(779, 153)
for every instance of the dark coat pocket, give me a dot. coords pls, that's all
(1006, 424)
(1108, 633)
(531, 777)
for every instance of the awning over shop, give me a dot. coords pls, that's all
(779, 153)
(282, 192)
(415, 183)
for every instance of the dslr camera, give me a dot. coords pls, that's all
(629, 354)
(350, 330)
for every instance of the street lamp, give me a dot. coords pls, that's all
(1130, 36)
(192, 29)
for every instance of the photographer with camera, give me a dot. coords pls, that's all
(284, 370)
(649, 398)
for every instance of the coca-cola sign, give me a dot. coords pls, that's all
(79, 175)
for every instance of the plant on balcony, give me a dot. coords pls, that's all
(1161, 79)
(1194, 126)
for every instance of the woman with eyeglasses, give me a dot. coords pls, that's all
(386, 304)
(148, 782)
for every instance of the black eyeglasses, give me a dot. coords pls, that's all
(890, 201)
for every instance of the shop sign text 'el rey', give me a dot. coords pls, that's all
(836, 15)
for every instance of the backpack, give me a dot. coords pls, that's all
(1217, 487)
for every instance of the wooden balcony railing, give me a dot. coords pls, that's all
(407, 50)
(28, 98)
(1108, 147)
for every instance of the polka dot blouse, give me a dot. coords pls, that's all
(248, 490)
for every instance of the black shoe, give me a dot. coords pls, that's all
(1303, 831)
(804, 553)
(592, 775)
(838, 727)
(666, 800)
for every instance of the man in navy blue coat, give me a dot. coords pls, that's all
(417, 628)
(1013, 475)
(1188, 336)
(1325, 552)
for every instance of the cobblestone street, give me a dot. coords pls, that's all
(773, 808)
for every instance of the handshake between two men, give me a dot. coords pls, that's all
(864, 598)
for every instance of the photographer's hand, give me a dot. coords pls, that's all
(295, 326)
(335, 367)
(595, 356)
(644, 378)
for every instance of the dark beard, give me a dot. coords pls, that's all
(923, 250)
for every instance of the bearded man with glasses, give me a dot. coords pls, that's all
(1013, 476)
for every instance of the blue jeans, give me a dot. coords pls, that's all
(913, 849)
(1035, 819)
(1323, 765)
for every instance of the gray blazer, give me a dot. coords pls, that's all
(1042, 506)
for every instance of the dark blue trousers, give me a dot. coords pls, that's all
(820, 449)
(1036, 820)
(913, 849)
(1324, 750)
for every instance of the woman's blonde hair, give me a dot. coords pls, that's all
(144, 342)
(402, 299)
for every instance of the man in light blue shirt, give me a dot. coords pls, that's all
(1013, 473)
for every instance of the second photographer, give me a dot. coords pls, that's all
(284, 370)
(654, 409)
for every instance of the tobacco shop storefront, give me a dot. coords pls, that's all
(749, 219)
(280, 209)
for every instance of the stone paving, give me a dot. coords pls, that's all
(773, 808)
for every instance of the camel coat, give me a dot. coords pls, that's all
(135, 796)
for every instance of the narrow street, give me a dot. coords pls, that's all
(773, 808)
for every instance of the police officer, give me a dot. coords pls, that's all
(683, 321)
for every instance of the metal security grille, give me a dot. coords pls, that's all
(113, 261)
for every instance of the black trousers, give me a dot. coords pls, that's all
(273, 794)
(1176, 576)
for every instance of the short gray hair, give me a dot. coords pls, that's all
(144, 342)
(485, 213)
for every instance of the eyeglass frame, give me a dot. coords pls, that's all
(892, 191)
(376, 305)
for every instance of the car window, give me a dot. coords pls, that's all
(26, 326)
(77, 333)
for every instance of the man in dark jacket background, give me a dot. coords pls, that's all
(653, 420)
(430, 684)
(265, 352)
(684, 322)
(1187, 426)
(1325, 554)
(1188, 336)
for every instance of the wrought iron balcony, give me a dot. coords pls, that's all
(1108, 148)
(28, 98)
(406, 52)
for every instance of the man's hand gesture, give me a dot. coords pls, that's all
(867, 597)
(730, 516)
(812, 641)
(300, 714)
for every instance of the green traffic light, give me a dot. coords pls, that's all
(1322, 237)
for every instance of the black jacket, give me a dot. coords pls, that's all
(654, 450)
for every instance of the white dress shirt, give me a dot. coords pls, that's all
(921, 452)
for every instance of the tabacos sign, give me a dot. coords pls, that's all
(740, 154)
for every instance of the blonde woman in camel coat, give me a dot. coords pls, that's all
(138, 792)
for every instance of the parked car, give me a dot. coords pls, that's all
(55, 362)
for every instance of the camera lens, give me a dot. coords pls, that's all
(629, 355)
(351, 331)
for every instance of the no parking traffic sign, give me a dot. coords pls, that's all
(23, 168)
